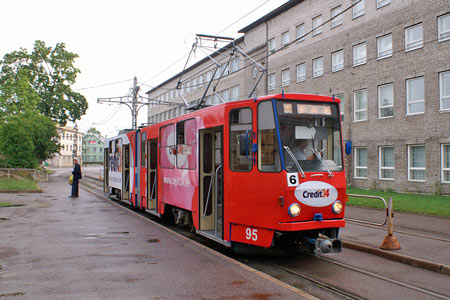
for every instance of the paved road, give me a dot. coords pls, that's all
(56, 247)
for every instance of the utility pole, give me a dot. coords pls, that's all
(133, 101)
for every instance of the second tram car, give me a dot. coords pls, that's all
(267, 172)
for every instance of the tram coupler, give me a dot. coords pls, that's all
(328, 246)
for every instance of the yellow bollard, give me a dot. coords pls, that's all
(390, 241)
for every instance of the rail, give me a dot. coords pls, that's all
(372, 197)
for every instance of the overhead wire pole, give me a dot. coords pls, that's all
(133, 101)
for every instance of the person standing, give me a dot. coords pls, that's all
(76, 177)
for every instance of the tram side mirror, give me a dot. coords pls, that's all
(245, 142)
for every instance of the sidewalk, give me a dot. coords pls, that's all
(56, 247)
(435, 250)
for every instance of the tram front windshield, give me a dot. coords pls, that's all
(310, 136)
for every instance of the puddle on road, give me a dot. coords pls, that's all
(4, 219)
(119, 232)
(12, 294)
(10, 204)
(153, 241)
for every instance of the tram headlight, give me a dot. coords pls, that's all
(337, 207)
(294, 210)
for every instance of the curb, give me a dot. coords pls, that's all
(405, 259)
(20, 191)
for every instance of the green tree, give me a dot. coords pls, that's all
(27, 138)
(41, 80)
(94, 131)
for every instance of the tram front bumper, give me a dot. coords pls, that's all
(308, 225)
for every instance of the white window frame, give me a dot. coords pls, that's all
(300, 33)
(443, 35)
(272, 46)
(443, 97)
(383, 53)
(285, 77)
(381, 150)
(415, 44)
(317, 25)
(234, 64)
(382, 3)
(409, 102)
(341, 97)
(285, 39)
(317, 72)
(443, 163)
(380, 105)
(234, 93)
(357, 61)
(411, 168)
(271, 81)
(357, 166)
(336, 21)
(301, 77)
(334, 66)
(359, 9)
(355, 111)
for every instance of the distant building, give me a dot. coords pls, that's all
(92, 149)
(70, 140)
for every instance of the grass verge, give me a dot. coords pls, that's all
(414, 203)
(17, 183)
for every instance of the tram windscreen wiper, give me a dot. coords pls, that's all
(316, 153)
(295, 160)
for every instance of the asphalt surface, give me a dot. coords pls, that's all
(56, 247)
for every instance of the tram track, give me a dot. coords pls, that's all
(296, 275)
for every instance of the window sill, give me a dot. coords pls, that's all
(356, 121)
(382, 118)
(359, 64)
(387, 179)
(414, 48)
(384, 57)
(334, 71)
(417, 180)
(359, 177)
(415, 114)
(444, 111)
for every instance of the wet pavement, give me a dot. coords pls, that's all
(56, 247)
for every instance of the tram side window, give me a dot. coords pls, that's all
(268, 155)
(186, 145)
(143, 149)
(240, 125)
(167, 149)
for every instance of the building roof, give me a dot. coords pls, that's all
(288, 5)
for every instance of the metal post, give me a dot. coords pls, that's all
(390, 241)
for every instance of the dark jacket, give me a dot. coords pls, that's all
(77, 172)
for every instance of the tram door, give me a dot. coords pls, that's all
(211, 182)
(126, 173)
(152, 182)
(106, 170)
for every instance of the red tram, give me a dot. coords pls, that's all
(266, 172)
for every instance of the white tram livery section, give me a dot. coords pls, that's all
(116, 160)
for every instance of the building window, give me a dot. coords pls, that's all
(414, 37)
(360, 105)
(342, 105)
(301, 72)
(445, 160)
(415, 96)
(337, 61)
(200, 83)
(285, 39)
(300, 33)
(384, 46)
(360, 162)
(234, 93)
(359, 54)
(416, 163)
(386, 101)
(444, 28)
(336, 16)
(235, 64)
(271, 81)
(208, 76)
(272, 45)
(317, 25)
(285, 77)
(444, 87)
(387, 166)
(359, 9)
(225, 95)
(381, 3)
(318, 67)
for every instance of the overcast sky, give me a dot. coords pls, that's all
(117, 40)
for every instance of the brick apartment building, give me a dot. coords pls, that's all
(387, 60)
